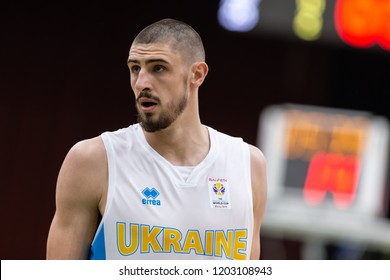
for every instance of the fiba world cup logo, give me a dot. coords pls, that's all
(219, 189)
(219, 193)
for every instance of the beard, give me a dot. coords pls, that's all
(151, 122)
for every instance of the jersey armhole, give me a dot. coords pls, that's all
(111, 180)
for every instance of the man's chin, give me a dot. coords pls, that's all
(153, 127)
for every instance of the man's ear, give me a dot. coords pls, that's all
(199, 73)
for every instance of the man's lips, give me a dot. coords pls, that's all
(147, 104)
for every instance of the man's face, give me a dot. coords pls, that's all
(159, 80)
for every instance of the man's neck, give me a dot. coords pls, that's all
(181, 145)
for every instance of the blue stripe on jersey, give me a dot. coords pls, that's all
(98, 248)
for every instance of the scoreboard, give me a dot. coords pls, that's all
(356, 23)
(325, 165)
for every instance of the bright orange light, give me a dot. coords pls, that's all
(363, 23)
(334, 173)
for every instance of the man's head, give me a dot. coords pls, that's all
(167, 65)
(182, 38)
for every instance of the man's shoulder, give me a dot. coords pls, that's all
(257, 155)
(225, 136)
(86, 157)
(122, 132)
(89, 148)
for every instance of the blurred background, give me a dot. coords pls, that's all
(305, 80)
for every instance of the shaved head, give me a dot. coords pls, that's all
(179, 35)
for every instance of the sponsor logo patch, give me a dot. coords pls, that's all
(150, 196)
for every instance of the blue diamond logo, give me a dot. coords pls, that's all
(150, 193)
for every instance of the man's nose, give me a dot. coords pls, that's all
(142, 81)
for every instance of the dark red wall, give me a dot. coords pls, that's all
(63, 78)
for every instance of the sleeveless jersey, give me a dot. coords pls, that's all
(154, 213)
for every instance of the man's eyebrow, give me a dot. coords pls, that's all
(136, 61)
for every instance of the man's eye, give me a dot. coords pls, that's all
(159, 68)
(135, 69)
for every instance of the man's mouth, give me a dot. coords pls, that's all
(147, 104)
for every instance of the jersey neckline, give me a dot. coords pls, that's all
(175, 175)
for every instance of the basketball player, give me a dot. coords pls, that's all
(168, 187)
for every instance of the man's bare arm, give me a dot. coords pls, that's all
(259, 190)
(80, 193)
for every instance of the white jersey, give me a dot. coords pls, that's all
(152, 212)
